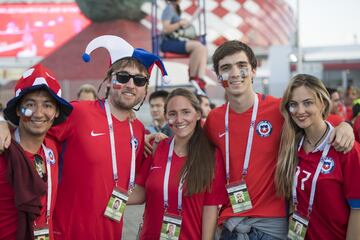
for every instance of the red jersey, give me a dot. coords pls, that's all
(335, 119)
(86, 181)
(263, 157)
(8, 211)
(349, 114)
(356, 128)
(192, 206)
(337, 191)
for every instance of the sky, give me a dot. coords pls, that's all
(328, 22)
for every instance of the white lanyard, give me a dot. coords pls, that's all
(249, 141)
(166, 180)
(113, 152)
(313, 183)
(47, 153)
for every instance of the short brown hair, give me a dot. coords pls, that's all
(230, 48)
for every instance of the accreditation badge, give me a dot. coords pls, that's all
(297, 227)
(41, 232)
(239, 197)
(116, 205)
(170, 228)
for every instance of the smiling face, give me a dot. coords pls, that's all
(44, 111)
(306, 110)
(237, 70)
(182, 117)
(126, 95)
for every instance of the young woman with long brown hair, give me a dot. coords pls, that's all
(322, 183)
(185, 182)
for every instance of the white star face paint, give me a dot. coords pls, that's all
(244, 72)
(291, 109)
(26, 112)
(224, 78)
(117, 85)
(171, 122)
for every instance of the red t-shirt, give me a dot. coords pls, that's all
(349, 114)
(335, 119)
(192, 206)
(8, 211)
(356, 128)
(87, 180)
(337, 191)
(263, 158)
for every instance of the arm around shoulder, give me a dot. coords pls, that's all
(5, 135)
(353, 230)
(342, 138)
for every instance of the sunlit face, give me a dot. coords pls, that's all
(44, 110)
(305, 109)
(182, 117)
(237, 69)
(157, 109)
(125, 96)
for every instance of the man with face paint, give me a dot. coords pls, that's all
(102, 148)
(247, 130)
(29, 168)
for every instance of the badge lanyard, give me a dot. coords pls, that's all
(166, 180)
(249, 141)
(313, 183)
(47, 153)
(113, 152)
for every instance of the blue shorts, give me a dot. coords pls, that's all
(173, 45)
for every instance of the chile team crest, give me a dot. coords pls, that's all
(328, 165)
(264, 128)
(51, 157)
(136, 142)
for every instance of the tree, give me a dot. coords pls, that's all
(105, 10)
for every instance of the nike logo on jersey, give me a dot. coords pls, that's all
(221, 134)
(96, 134)
(154, 167)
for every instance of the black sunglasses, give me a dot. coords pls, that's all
(40, 166)
(124, 77)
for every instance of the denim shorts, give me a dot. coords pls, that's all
(173, 45)
(254, 234)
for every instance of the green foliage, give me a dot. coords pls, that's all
(106, 10)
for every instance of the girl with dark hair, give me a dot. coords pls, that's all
(185, 182)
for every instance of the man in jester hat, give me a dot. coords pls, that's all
(102, 149)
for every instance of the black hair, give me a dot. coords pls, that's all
(157, 94)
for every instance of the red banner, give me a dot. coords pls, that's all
(35, 30)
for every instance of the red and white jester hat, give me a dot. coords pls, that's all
(118, 48)
(36, 78)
